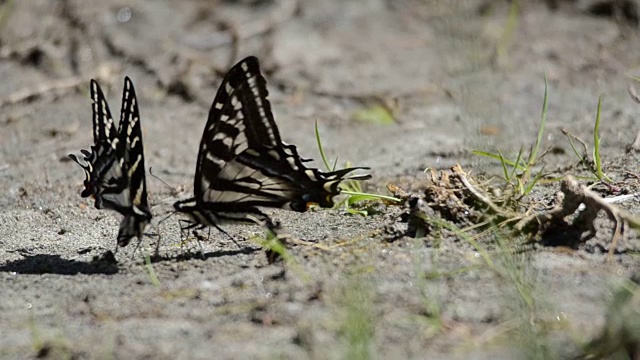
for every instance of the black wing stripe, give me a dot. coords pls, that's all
(134, 154)
(103, 126)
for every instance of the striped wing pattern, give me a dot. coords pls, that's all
(114, 168)
(242, 162)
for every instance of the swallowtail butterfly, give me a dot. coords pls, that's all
(114, 168)
(243, 164)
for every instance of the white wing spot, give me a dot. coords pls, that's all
(252, 152)
(135, 140)
(131, 125)
(237, 105)
(327, 186)
(133, 167)
(311, 175)
(274, 154)
(292, 162)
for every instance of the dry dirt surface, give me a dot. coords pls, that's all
(454, 75)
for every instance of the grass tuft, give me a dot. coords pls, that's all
(358, 328)
(275, 246)
(595, 166)
(152, 274)
(349, 187)
(521, 178)
(596, 146)
(376, 114)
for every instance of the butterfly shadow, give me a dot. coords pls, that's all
(55, 264)
(197, 255)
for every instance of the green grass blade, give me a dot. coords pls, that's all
(271, 241)
(335, 164)
(376, 114)
(351, 185)
(354, 199)
(471, 241)
(507, 34)
(575, 151)
(519, 161)
(533, 182)
(152, 274)
(321, 149)
(358, 312)
(512, 270)
(496, 157)
(368, 196)
(543, 121)
(504, 167)
(6, 8)
(596, 145)
(357, 212)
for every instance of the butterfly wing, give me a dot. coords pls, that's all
(279, 163)
(224, 188)
(102, 171)
(114, 168)
(243, 163)
(130, 154)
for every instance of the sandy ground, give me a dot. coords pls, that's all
(351, 293)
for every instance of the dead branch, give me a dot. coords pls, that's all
(457, 170)
(635, 145)
(568, 201)
(572, 195)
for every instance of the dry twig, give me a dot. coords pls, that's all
(572, 195)
(569, 200)
(479, 195)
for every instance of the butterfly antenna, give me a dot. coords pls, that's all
(174, 191)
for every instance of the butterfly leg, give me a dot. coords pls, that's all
(184, 233)
(201, 251)
(133, 254)
(157, 251)
(228, 235)
(272, 237)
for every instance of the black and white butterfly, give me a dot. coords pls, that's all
(243, 164)
(114, 168)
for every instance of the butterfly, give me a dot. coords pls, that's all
(114, 168)
(243, 164)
